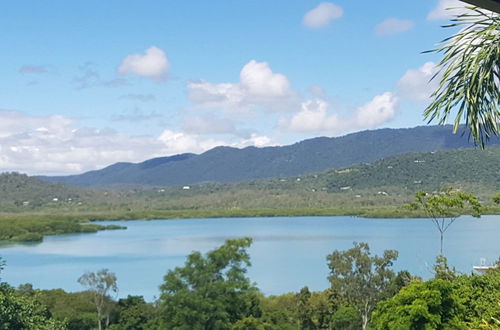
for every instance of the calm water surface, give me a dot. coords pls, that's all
(287, 253)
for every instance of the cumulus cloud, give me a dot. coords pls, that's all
(258, 85)
(223, 95)
(392, 26)
(315, 116)
(378, 111)
(179, 142)
(322, 15)
(255, 140)
(446, 9)
(416, 84)
(55, 145)
(258, 80)
(152, 64)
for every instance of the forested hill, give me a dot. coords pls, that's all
(389, 181)
(474, 169)
(21, 190)
(225, 164)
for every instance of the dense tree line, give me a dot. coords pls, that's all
(212, 291)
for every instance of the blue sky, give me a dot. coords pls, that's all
(89, 83)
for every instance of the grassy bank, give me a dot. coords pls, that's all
(32, 227)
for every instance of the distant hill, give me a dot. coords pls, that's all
(411, 171)
(389, 181)
(21, 190)
(225, 164)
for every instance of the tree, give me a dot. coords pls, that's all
(304, 310)
(496, 199)
(421, 305)
(24, 313)
(445, 207)
(480, 295)
(101, 284)
(469, 75)
(359, 279)
(211, 291)
(346, 318)
(134, 314)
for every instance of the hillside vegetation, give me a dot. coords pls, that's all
(31, 208)
(225, 164)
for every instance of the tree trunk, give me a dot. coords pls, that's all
(99, 318)
(365, 321)
(441, 251)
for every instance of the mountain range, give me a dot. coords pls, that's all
(226, 164)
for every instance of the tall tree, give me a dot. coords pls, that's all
(445, 207)
(469, 75)
(101, 284)
(421, 305)
(359, 279)
(211, 291)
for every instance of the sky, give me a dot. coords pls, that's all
(85, 84)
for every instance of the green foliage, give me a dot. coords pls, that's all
(32, 228)
(304, 310)
(496, 198)
(280, 311)
(421, 305)
(346, 318)
(480, 296)
(211, 291)
(442, 270)
(100, 284)
(469, 75)
(133, 314)
(445, 207)
(24, 313)
(77, 309)
(360, 280)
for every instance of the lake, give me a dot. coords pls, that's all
(287, 253)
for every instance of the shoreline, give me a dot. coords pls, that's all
(33, 227)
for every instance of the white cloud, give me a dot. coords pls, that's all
(392, 26)
(258, 85)
(446, 9)
(259, 81)
(153, 64)
(178, 142)
(315, 116)
(255, 140)
(54, 145)
(379, 110)
(416, 84)
(225, 95)
(322, 15)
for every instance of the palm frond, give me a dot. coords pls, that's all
(469, 75)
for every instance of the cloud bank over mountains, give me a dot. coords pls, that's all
(258, 106)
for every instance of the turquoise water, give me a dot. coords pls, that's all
(287, 253)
